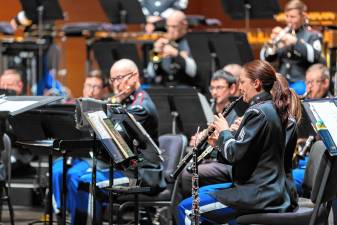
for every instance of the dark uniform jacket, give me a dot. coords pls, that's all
(171, 71)
(295, 60)
(257, 153)
(140, 105)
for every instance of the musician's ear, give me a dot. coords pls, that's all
(257, 85)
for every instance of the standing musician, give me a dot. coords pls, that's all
(295, 47)
(174, 64)
(256, 153)
(124, 78)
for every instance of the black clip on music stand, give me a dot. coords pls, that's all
(39, 11)
(144, 148)
(251, 9)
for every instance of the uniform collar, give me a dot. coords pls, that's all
(131, 97)
(263, 96)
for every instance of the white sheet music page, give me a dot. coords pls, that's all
(327, 111)
(13, 106)
(95, 119)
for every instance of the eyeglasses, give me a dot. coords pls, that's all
(307, 82)
(217, 88)
(172, 26)
(94, 87)
(119, 77)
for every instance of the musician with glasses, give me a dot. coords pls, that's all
(174, 64)
(295, 47)
(256, 153)
(124, 80)
(223, 86)
(317, 80)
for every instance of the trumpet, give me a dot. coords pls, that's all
(156, 56)
(280, 36)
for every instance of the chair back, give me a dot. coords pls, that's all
(173, 147)
(315, 156)
(327, 168)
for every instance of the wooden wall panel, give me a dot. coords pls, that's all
(90, 10)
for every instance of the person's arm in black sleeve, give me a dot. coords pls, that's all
(231, 148)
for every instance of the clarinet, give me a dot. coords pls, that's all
(194, 216)
(202, 141)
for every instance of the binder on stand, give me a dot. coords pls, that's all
(323, 117)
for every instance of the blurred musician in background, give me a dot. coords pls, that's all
(124, 79)
(295, 47)
(317, 80)
(159, 10)
(171, 62)
(46, 81)
(11, 79)
(223, 86)
(235, 70)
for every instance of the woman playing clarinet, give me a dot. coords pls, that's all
(256, 153)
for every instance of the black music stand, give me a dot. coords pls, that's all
(181, 110)
(251, 9)
(123, 11)
(126, 134)
(213, 50)
(108, 51)
(12, 106)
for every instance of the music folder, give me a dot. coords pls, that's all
(113, 142)
(323, 117)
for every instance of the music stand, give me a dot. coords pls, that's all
(126, 133)
(175, 108)
(107, 52)
(51, 9)
(123, 11)
(250, 9)
(213, 50)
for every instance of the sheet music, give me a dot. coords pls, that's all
(95, 119)
(327, 112)
(13, 106)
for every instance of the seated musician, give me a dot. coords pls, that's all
(176, 65)
(223, 86)
(255, 152)
(12, 80)
(124, 78)
(92, 88)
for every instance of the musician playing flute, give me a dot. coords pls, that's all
(294, 47)
(256, 153)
